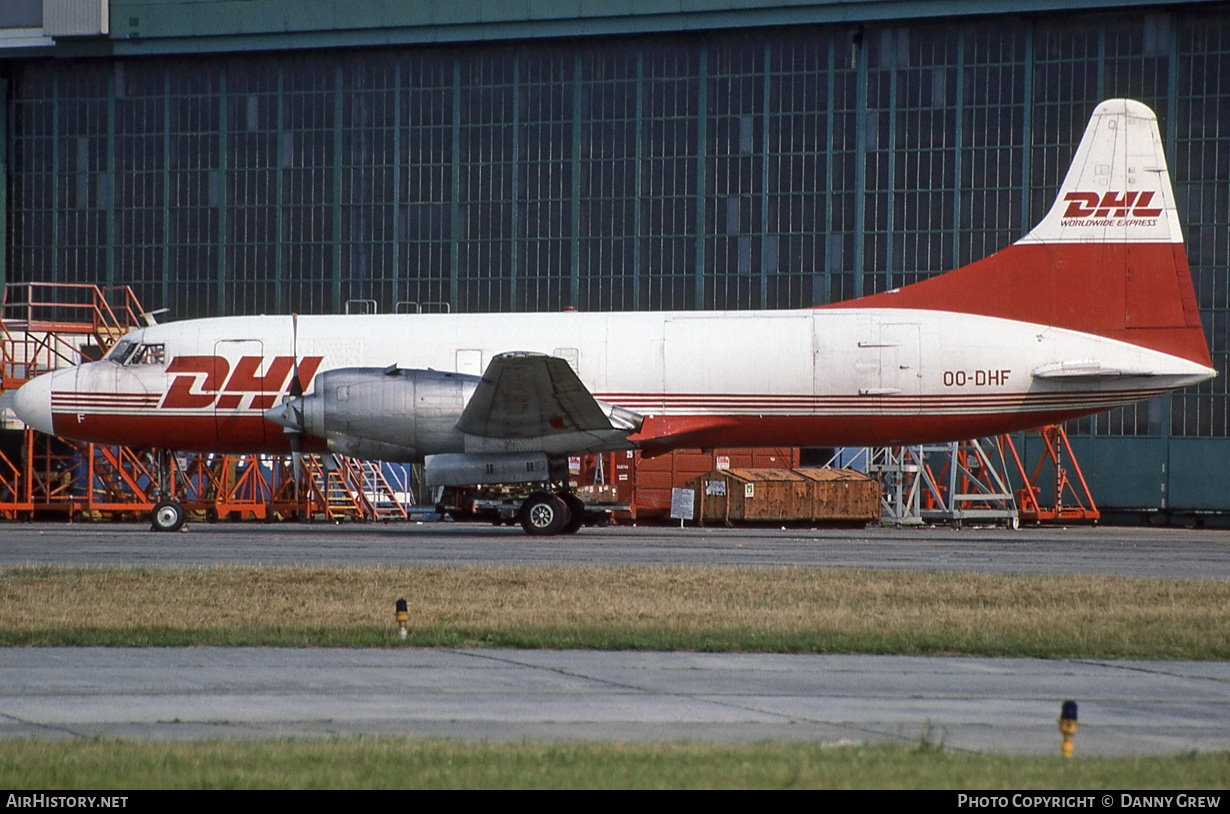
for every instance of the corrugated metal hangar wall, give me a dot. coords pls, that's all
(756, 160)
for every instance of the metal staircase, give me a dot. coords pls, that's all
(385, 503)
(343, 488)
(956, 483)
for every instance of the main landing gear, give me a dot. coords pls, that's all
(544, 513)
(541, 509)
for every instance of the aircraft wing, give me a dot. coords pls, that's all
(530, 395)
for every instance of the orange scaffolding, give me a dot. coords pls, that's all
(224, 487)
(273, 487)
(44, 326)
(979, 480)
(48, 325)
(1073, 500)
(15, 486)
(56, 477)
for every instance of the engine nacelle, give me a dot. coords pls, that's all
(388, 414)
(476, 470)
(393, 414)
(354, 447)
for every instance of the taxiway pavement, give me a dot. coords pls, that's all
(1138, 552)
(983, 704)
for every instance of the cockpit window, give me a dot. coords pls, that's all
(122, 350)
(131, 353)
(148, 355)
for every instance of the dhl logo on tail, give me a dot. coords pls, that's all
(1110, 205)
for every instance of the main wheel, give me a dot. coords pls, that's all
(543, 514)
(577, 509)
(168, 515)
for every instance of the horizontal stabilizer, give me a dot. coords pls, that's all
(1086, 369)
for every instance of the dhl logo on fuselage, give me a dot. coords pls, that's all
(226, 389)
(1117, 205)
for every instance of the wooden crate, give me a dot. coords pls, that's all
(725, 496)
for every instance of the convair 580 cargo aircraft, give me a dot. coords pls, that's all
(1092, 309)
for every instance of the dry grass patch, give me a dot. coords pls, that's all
(728, 608)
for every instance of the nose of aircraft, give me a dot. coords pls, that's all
(32, 403)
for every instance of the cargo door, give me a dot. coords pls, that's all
(884, 366)
(900, 374)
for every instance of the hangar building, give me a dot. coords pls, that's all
(322, 156)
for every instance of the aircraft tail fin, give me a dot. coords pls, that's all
(1117, 189)
(1108, 257)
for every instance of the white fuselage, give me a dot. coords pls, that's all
(807, 377)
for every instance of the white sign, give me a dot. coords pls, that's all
(681, 504)
(749, 490)
(723, 462)
(715, 487)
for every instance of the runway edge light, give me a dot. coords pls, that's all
(403, 618)
(1067, 726)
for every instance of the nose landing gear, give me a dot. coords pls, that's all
(168, 513)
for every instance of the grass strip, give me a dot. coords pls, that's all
(439, 764)
(778, 609)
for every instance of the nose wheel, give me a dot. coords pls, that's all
(167, 515)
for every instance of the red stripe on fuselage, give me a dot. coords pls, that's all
(670, 432)
(199, 433)
(724, 422)
(252, 434)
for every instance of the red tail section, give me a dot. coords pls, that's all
(1107, 259)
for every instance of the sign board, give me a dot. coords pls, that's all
(723, 462)
(681, 504)
(715, 487)
(749, 490)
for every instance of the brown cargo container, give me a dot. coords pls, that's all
(785, 496)
(645, 483)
